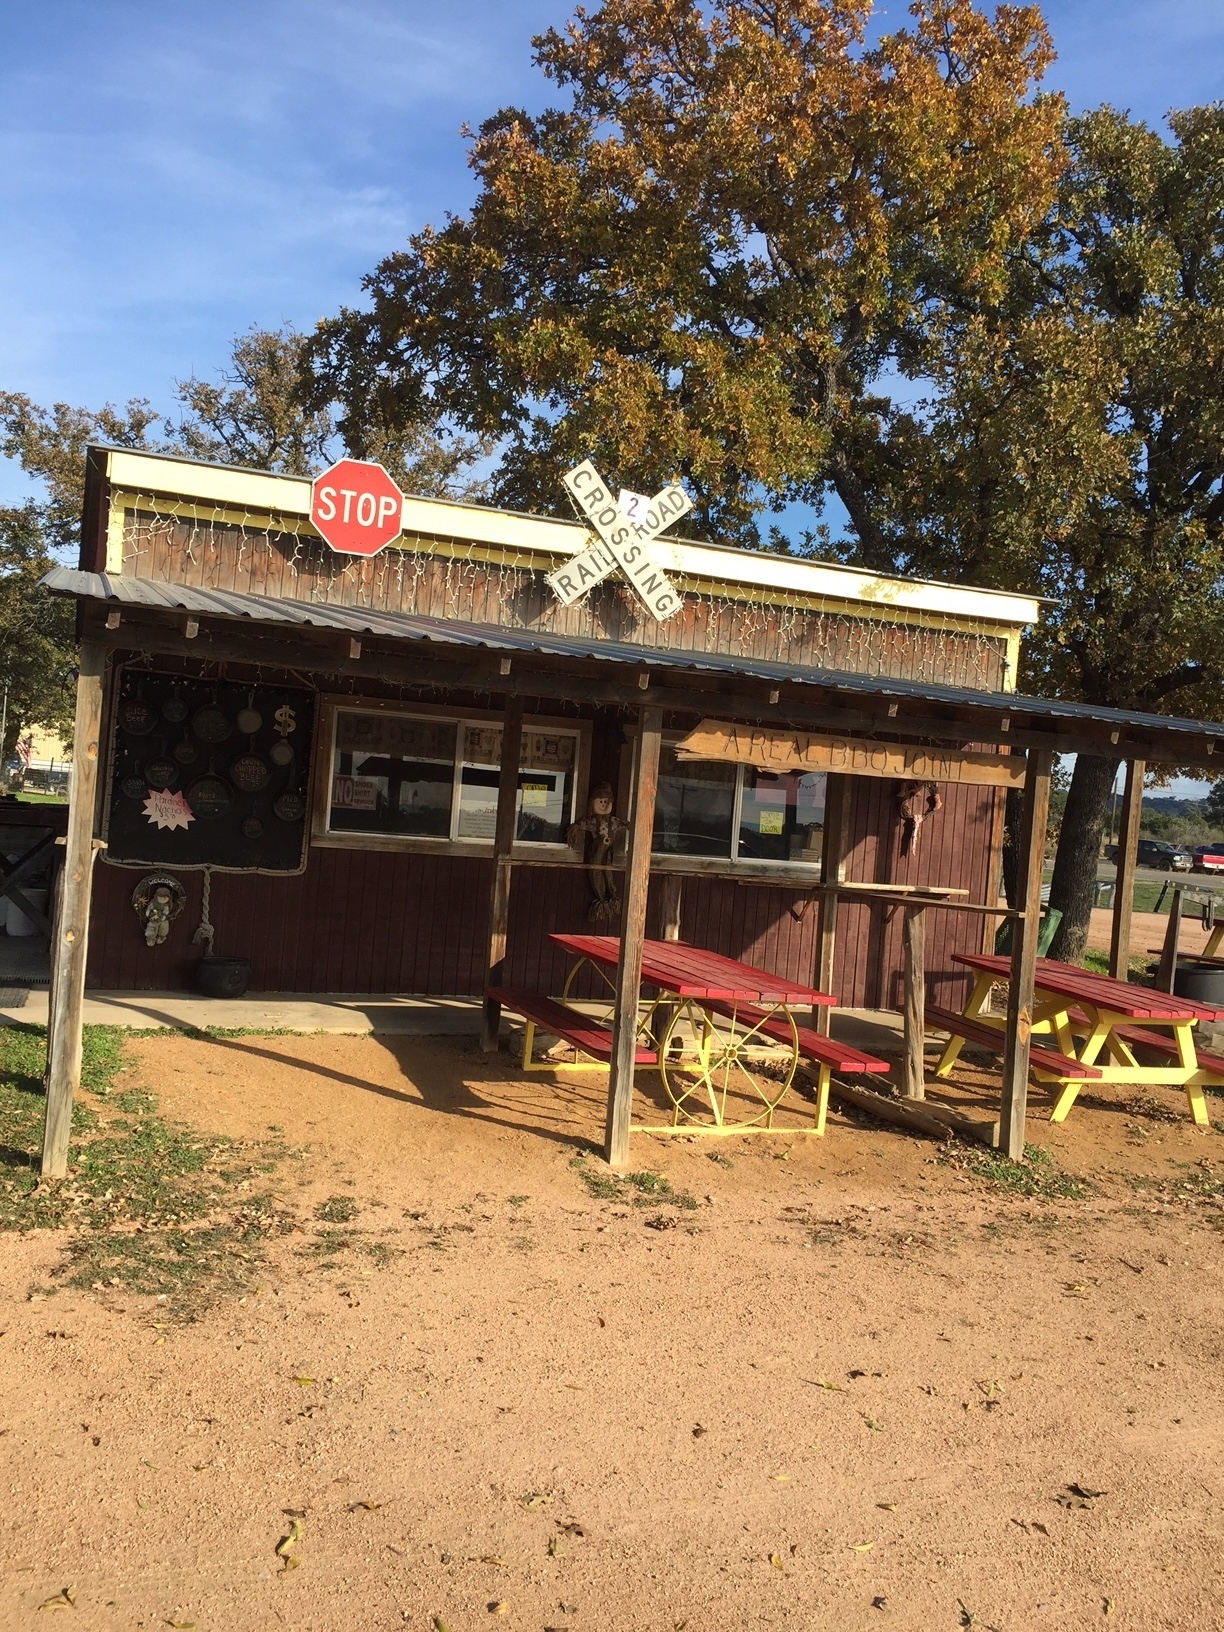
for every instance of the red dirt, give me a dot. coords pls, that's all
(849, 1390)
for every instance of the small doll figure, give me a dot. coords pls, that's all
(157, 916)
(157, 899)
(600, 835)
(916, 801)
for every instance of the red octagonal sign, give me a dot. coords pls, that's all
(357, 507)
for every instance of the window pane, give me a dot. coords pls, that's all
(781, 816)
(695, 806)
(545, 784)
(391, 774)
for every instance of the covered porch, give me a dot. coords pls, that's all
(887, 728)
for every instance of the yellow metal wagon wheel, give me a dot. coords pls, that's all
(707, 1059)
(600, 1007)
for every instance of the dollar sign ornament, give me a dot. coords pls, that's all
(285, 721)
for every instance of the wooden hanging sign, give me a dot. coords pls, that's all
(808, 751)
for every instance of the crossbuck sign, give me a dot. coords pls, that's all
(625, 541)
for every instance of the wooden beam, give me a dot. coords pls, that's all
(1166, 970)
(804, 708)
(1124, 876)
(503, 846)
(633, 931)
(71, 940)
(1019, 1024)
(832, 873)
(913, 939)
(673, 886)
(936, 1120)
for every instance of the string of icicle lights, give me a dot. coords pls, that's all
(452, 578)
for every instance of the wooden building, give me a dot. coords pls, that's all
(333, 727)
(383, 900)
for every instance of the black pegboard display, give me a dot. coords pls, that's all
(238, 755)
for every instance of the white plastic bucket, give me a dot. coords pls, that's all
(18, 923)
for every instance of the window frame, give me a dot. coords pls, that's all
(734, 865)
(325, 837)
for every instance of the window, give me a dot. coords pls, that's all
(694, 807)
(431, 778)
(545, 787)
(709, 809)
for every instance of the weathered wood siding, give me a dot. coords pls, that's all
(372, 922)
(892, 644)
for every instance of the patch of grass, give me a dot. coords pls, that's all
(153, 1207)
(337, 1210)
(642, 1189)
(1037, 1175)
(1191, 1184)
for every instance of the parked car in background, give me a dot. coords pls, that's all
(1166, 858)
(1209, 858)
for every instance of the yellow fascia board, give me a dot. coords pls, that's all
(243, 490)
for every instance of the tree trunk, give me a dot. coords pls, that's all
(1079, 846)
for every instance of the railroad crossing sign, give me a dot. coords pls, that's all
(625, 542)
(356, 507)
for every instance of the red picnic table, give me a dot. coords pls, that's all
(1096, 1023)
(724, 1031)
(713, 1020)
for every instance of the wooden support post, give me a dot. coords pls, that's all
(70, 942)
(672, 887)
(633, 931)
(913, 935)
(1124, 877)
(1030, 861)
(1166, 970)
(503, 847)
(832, 871)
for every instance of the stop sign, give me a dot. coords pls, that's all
(356, 506)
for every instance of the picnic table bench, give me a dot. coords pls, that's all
(1095, 1023)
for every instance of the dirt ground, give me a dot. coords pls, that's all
(853, 1387)
(1147, 932)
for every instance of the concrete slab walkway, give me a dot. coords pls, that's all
(359, 1015)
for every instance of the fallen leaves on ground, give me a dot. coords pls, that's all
(65, 1598)
(285, 1547)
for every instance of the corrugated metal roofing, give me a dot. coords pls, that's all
(444, 631)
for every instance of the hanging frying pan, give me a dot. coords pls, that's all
(249, 773)
(208, 797)
(137, 717)
(211, 724)
(161, 773)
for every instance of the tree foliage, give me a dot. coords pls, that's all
(708, 262)
(37, 647)
(252, 416)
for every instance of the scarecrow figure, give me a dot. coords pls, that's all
(916, 801)
(600, 835)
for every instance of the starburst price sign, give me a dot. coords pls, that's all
(626, 526)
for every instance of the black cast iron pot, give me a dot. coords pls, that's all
(223, 977)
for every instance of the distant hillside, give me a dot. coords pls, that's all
(1171, 807)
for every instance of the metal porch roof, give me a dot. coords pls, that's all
(262, 609)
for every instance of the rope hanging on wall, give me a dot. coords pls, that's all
(204, 931)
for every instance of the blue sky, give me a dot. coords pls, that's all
(172, 173)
